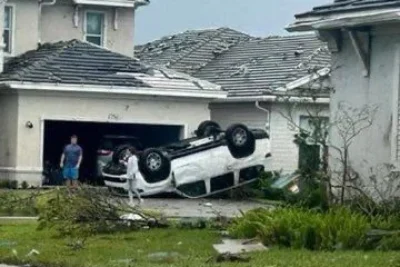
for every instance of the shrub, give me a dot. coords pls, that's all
(13, 184)
(8, 184)
(299, 228)
(24, 185)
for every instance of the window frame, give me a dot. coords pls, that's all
(103, 36)
(11, 30)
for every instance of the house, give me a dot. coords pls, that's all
(107, 23)
(364, 38)
(267, 80)
(89, 86)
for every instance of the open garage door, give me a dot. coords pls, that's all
(92, 137)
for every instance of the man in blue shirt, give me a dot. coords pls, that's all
(71, 159)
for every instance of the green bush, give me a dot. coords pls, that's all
(24, 185)
(8, 184)
(297, 228)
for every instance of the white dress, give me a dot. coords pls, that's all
(132, 167)
(132, 170)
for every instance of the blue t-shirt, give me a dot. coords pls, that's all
(72, 152)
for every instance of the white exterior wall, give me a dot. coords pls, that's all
(36, 107)
(25, 25)
(56, 23)
(8, 133)
(379, 143)
(285, 153)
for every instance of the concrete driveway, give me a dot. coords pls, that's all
(200, 207)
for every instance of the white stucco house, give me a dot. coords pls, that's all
(88, 85)
(364, 38)
(257, 73)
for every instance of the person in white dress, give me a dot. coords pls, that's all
(132, 172)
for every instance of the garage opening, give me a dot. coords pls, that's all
(94, 137)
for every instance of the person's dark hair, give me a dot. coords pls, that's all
(132, 149)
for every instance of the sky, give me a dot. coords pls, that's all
(255, 17)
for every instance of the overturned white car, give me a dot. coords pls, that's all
(212, 162)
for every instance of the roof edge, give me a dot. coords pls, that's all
(276, 99)
(142, 91)
(353, 19)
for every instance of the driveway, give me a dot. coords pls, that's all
(200, 207)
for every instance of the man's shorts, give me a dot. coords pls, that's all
(70, 173)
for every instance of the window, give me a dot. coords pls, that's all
(94, 28)
(313, 131)
(316, 128)
(8, 25)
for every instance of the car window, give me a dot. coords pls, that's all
(222, 182)
(195, 189)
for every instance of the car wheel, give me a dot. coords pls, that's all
(207, 128)
(241, 142)
(154, 166)
(119, 152)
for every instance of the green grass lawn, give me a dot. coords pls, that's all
(133, 249)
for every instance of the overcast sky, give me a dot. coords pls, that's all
(256, 17)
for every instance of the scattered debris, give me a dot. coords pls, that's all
(298, 53)
(208, 204)
(242, 71)
(33, 252)
(14, 252)
(132, 217)
(233, 246)
(289, 181)
(224, 233)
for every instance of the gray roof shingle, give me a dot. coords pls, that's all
(77, 62)
(342, 6)
(191, 50)
(266, 64)
(251, 66)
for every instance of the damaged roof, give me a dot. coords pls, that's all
(343, 6)
(255, 66)
(191, 50)
(82, 63)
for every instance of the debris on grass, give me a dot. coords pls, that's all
(33, 252)
(238, 246)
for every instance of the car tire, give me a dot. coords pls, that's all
(116, 157)
(240, 140)
(207, 128)
(154, 165)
